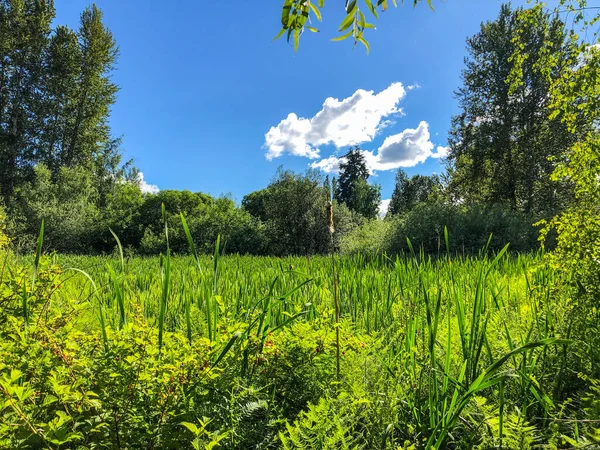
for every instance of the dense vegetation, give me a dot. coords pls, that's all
(242, 351)
(298, 318)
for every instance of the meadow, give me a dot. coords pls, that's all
(410, 351)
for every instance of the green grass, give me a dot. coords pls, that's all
(451, 352)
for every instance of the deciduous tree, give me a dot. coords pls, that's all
(505, 143)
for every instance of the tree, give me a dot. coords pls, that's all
(256, 204)
(63, 65)
(408, 192)
(352, 188)
(90, 133)
(24, 31)
(55, 97)
(574, 100)
(366, 199)
(503, 142)
(296, 219)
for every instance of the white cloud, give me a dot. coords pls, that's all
(383, 207)
(441, 152)
(406, 149)
(145, 187)
(350, 121)
(328, 165)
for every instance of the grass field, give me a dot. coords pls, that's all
(255, 352)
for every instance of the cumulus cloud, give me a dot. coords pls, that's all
(328, 165)
(145, 187)
(441, 152)
(406, 149)
(350, 121)
(383, 207)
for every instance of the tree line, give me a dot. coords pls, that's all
(60, 162)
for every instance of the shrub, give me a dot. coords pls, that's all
(4, 240)
(469, 227)
(370, 238)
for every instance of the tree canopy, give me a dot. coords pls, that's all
(56, 95)
(504, 143)
(408, 192)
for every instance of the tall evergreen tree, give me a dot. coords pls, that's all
(502, 141)
(352, 188)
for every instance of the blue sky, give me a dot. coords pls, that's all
(202, 83)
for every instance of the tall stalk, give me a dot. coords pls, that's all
(335, 290)
(166, 283)
(36, 264)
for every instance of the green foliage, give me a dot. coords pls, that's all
(470, 227)
(67, 205)
(352, 188)
(370, 238)
(506, 142)
(293, 212)
(408, 192)
(4, 239)
(240, 352)
(24, 27)
(207, 217)
(574, 97)
(122, 214)
(296, 14)
(57, 95)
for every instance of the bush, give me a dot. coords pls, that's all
(4, 240)
(67, 205)
(371, 238)
(469, 228)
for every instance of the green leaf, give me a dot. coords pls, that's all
(120, 248)
(313, 29)
(344, 36)
(349, 20)
(372, 8)
(316, 11)
(189, 235)
(296, 40)
(364, 42)
(192, 427)
(227, 347)
(279, 34)
(362, 19)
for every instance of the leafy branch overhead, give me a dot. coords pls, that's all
(296, 17)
